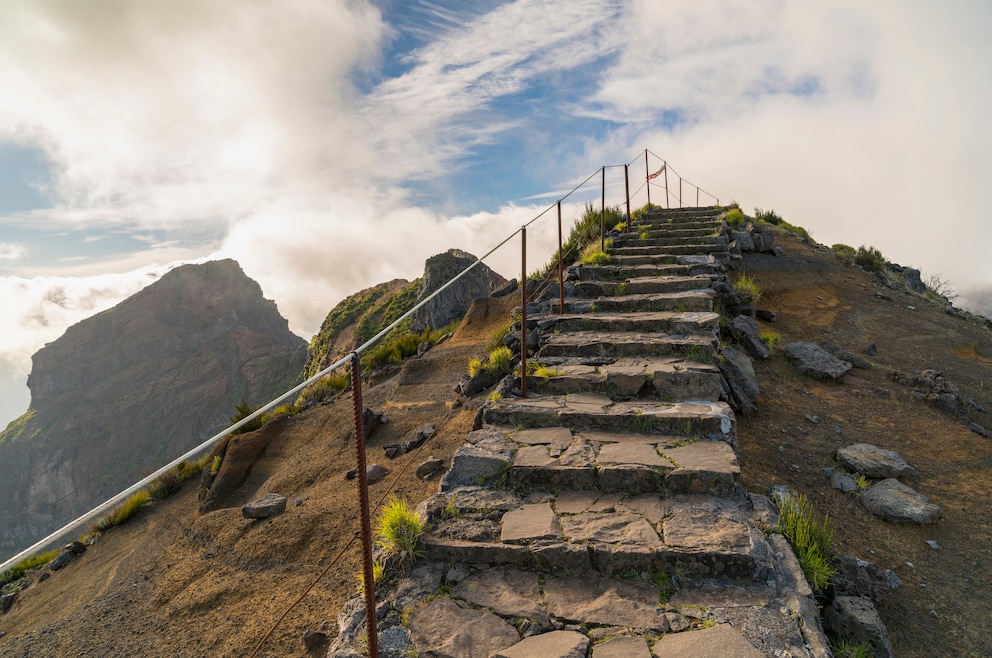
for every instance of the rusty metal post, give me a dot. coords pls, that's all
(680, 191)
(561, 268)
(363, 504)
(647, 173)
(602, 215)
(697, 196)
(626, 183)
(523, 312)
(668, 203)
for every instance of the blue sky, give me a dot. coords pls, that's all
(328, 145)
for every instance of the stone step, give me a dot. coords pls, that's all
(639, 285)
(627, 343)
(683, 212)
(666, 231)
(618, 273)
(693, 301)
(666, 378)
(623, 260)
(648, 321)
(707, 247)
(585, 411)
(661, 224)
(583, 531)
(660, 240)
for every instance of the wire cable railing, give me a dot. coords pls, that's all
(352, 359)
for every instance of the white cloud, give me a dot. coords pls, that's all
(11, 251)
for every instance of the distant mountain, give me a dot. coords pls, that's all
(123, 392)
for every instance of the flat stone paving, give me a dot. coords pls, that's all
(602, 517)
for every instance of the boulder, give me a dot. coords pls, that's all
(738, 372)
(6, 601)
(269, 505)
(893, 501)
(429, 467)
(855, 619)
(811, 359)
(857, 577)
(745, 330)
(62, 560)
(560, 644)
(873, 461)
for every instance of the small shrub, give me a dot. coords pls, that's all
(636, 214)
(735, 217)
(326, 387)
(123, 512)
(621, 289)
(545, 372)
(378, 575)
(499, 364)
(771, 339)
(474, 367)
(645, 235)
(936, 284)
(28, 563)
(241, 411)
(862, 482)
(747, 289)
(869, 259)
(593, 255)
(215, 465)
(495, 396)
(844, 252)
(845, 649)
(496, 339)
(811, 538)
(769, 216)
(398, 529)
(620, 227)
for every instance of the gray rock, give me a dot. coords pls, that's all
(766, 315)
(6, 601)
(429, 467)
(394, 642)
(811, 359)
(271, 504)
(843, 481)
(75, 547)
(855, 619)
(314, 640)
(721, 640)
(624, 647)
(61, 561)
(372, 420)
(745, 330)
(979, 430)
(913, 280)
(894, 501)
(857, 577)
(872, 461)
(556, 644)
(744, 241)
(506, 289)
(375, 472)
(738, 372)
(443, 628)
(846, 355)
(452, 303)
(480, 381)
(473, 464)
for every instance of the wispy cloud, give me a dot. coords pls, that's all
(11, 251)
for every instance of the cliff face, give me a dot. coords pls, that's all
(125, 391)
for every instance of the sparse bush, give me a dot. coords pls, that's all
(474, 367)
(28, 563)
(123, 512)
(499, 364)
(636, 214)
(845, 649)
(326, 387)
(811, 539)
(735, 217)
(215, 465)
(936, 284)
(593, 255)
(770, 339)
(769, 216)
(844, 252)
(243, 410)
(869, 259)
(747, 289)
(398, 529)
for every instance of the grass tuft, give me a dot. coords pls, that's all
(769, 216)
(28, 563)
(499, 363)
(735, 217)
(811, 538)
(747, 289)
(398, 529)
(869, 259)
(123, 512)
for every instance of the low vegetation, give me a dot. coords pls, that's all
(123, 512)
(342, 315)
(869, 259)
(500, 362)
(586, 230)
(747, 289)
(811, 539)
(398, 529)
(19, 569)
(241, 411)
(592, 254)
(844, 649)
(735, 217)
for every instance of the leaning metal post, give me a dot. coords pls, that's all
(647, 174)
(626, 184)
(523, 311)
(667, 202)
(561, 268)
(680, 191)
(363, 504)
(602, 215)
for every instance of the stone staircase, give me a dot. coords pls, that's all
(602, 515)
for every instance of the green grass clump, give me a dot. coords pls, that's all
(770, 339)
(499, 363)
(869, 259)
(398, 529)
(862, 482)
(378, 575)
(474, 367)
(401, 344)
(735, 217)
(697, 354)
(28, 563)
(769, 216)
(215, 464)
(169, 482)
(123, 512)
(810, 538)
(593, 255)
(845, 649)
(322, 389)
(844, 252)
(747, 289)
(636, 214)
(542, 371)
(496, 339)
(241, 411)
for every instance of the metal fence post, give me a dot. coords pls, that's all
(363, 504)
(561, 268)
(647, 173)
(602, 215)
(523, 312)
(680, 191)
(668, 203)
(626, 183)
(697, 196)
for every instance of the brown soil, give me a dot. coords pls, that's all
(169, 584)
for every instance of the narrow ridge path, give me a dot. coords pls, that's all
(602, 515)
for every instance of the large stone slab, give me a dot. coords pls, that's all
(696, 528)
(508, 592)
(559, 436)
(444, 629)
(894, 501)
(721, 640)
(652, 507)
(856, 620)
(626, 343)
(811, 359)
(534, 456)
(528, 523)
(703, 466)
(574, 502)
(873, 461)
(556, 644)
(622, 647)
(609, 528)
(632, 453)
(605, 601)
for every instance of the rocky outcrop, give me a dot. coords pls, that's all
(126, 390)
(455, 300)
